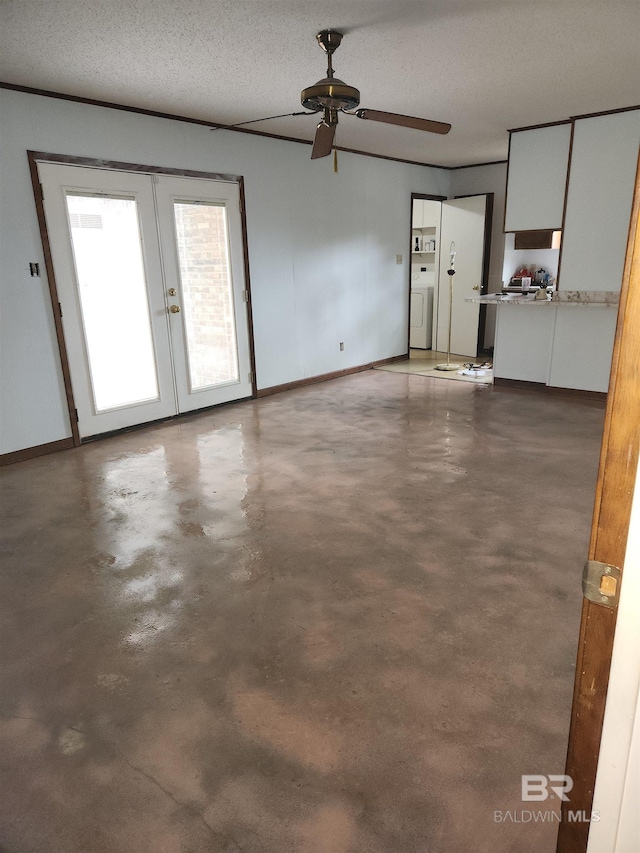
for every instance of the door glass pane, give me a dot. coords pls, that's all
(107, 250)
(207, 293)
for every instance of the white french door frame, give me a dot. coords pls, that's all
(37, 157)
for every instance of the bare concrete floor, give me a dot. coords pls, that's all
(343, 618)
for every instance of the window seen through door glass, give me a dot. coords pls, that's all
(105, 236)
(205, 275)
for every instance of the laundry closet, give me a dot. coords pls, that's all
(425, 256)
(438, 228)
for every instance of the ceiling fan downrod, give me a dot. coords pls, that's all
(329, 41)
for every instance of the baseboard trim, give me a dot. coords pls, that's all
(523, 384)
(324, 377)
(66, 443)
(33, 452)
(519, 383)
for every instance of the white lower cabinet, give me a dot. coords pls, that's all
(524, 339)
(563, 346)
(582, 347)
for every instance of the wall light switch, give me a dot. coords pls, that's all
(34, 269)
(398, 259)
(341, 346)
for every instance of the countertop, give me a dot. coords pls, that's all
(609, 298)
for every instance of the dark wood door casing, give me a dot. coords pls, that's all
(609, 532)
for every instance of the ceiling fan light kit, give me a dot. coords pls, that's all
(332, 95)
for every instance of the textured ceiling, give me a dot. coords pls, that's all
(482, 65)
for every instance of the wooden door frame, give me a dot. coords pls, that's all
(414, 197)
(610, 527)
(36, 157)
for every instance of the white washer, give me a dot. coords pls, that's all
(421, 317)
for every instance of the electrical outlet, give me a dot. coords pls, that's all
(341, 346)
(398, 259)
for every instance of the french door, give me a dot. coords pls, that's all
(150, 277)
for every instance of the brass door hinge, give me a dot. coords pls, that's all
(601, 583)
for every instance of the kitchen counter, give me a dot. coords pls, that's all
(565, 342)
(608, 298)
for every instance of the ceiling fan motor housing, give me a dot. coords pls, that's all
(330, 93)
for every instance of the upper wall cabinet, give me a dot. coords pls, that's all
(417, 213)
(604, 158)
(425, 213)
(537, 177)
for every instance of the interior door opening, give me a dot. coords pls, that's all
(150, 278)
(438, 227)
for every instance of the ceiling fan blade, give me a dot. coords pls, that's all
(323, 142)
(404, 121)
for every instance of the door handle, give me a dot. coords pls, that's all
(175, 309)
(476, 287)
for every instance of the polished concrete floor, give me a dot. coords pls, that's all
(342, 618)
(423, 363)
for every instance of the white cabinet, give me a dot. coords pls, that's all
(425, 225)
(536, 179)
(582, 347)
(564, 345)
(425, 239)
(604, 158)
(524, 340)
(603, 165)
(422, 214)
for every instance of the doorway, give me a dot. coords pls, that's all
(151, 292)
(437, 226)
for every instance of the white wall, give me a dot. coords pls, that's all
(487, 179)
(322, 247)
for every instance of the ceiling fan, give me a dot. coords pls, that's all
(331, 96)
